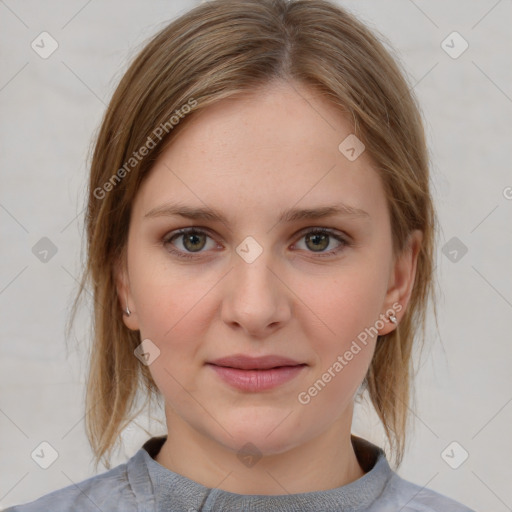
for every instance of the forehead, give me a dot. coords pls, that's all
(261, 152)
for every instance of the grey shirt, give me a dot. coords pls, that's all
(142, 484)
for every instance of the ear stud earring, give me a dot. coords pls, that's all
(126, 311)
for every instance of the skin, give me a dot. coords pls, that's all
(250, 158)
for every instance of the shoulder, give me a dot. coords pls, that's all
(414, 498)
(115, 489)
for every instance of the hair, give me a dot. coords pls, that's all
(221, 49)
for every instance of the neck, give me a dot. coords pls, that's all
(324, 462)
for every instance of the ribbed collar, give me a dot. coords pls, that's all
(170, 489)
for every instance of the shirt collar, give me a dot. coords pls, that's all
(168, 487)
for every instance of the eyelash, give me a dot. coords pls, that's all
(189, 256)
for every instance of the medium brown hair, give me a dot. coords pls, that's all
(218, 50)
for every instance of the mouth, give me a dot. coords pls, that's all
(243, 362)
(253, 374)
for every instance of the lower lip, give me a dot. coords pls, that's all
(257, 380)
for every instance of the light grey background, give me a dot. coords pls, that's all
(50, 111)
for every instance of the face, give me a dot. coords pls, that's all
(267, 278)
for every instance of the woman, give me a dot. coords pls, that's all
(260, 247)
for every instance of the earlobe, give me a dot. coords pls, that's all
(124, 296)
(126, 310)
(402, 281)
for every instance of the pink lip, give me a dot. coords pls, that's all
(256, 373)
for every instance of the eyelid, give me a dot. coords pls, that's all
(324, 229)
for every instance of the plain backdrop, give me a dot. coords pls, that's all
(51, 109)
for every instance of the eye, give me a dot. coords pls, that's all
(318, 239)
(193, 240)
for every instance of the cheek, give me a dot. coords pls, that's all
(172, 312)
(337, 320)
(163, 294)
(341, 306)
(334, 324)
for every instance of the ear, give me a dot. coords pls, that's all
(124, 293)
(401, 281)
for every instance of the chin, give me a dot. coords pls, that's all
(267, 432)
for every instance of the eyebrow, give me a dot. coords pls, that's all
(291, 215)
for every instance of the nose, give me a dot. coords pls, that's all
(256, 300)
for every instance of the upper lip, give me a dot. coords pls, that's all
(244, 362)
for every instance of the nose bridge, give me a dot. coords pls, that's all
(256, 298)
(252, 274)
